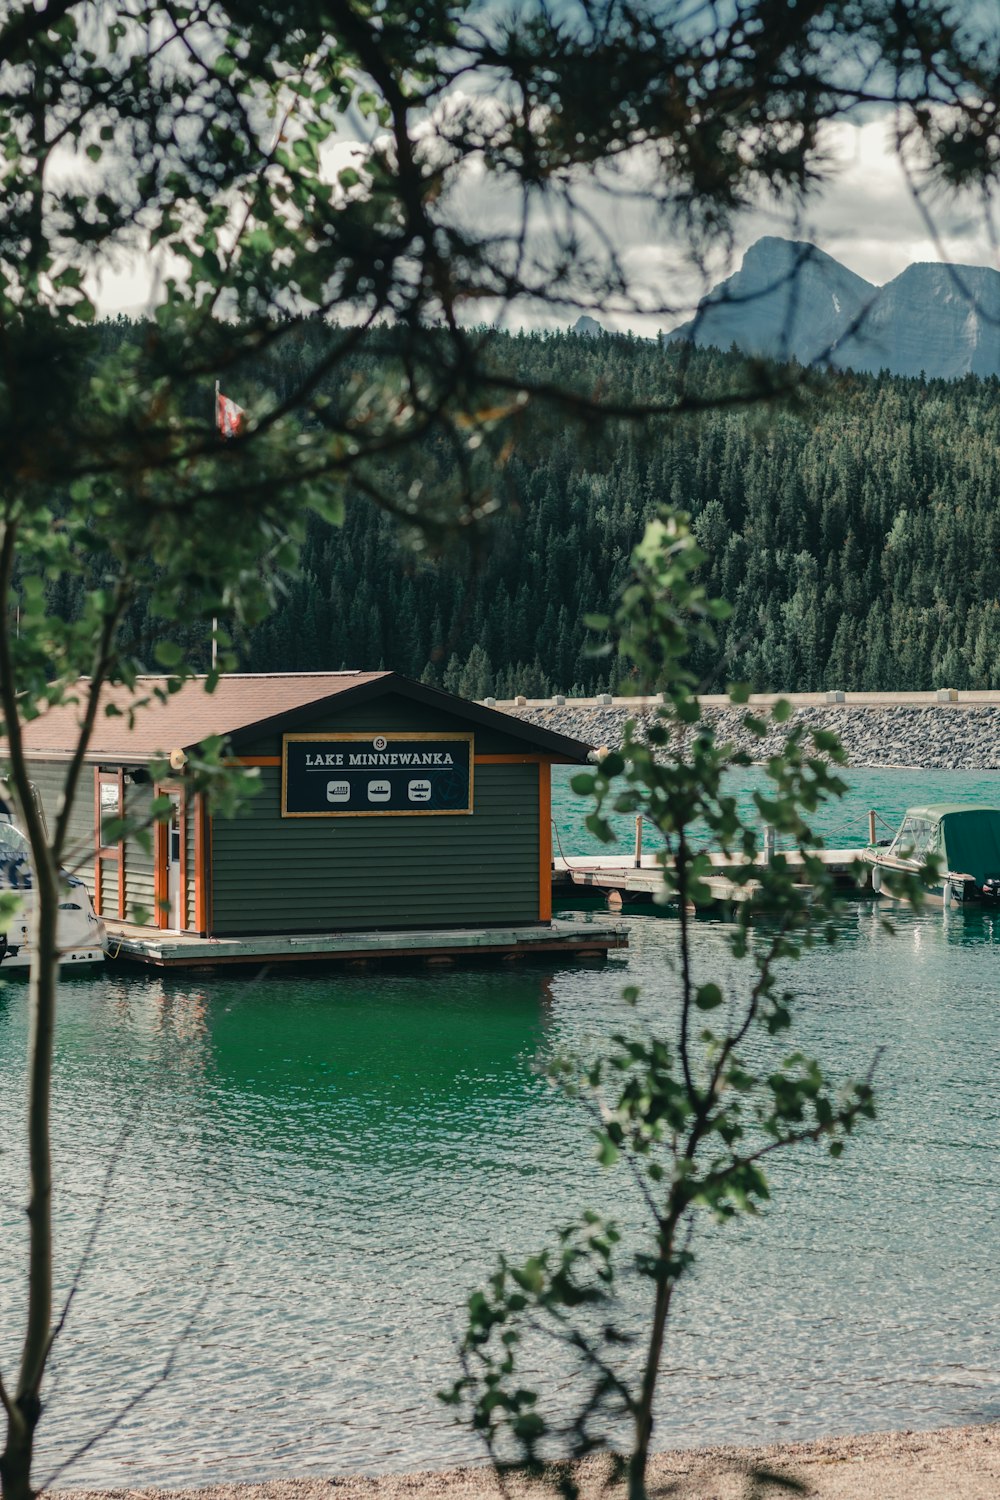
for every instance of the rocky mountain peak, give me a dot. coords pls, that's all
(791, 300)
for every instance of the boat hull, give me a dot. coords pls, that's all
(80, 933)
(955, 892)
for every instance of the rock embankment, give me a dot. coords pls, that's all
(940, 736)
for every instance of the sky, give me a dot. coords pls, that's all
(865, 217)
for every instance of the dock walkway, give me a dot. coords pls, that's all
(643, 881)
(566, 939)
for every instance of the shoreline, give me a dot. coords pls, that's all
(900, 737)
(950, 1463)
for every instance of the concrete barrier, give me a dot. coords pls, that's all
(961, 697)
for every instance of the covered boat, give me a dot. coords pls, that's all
(80, 933)
(965, 841)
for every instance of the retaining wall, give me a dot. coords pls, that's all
(944, 730)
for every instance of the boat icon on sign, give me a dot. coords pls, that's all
(379, 791)
(419, 791)
(338, 791)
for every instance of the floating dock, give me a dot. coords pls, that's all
(635, 882)
(183, 950)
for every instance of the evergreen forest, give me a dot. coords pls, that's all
(854, 531)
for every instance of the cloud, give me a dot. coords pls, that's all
(864, 214)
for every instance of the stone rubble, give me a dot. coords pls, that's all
(940, 737)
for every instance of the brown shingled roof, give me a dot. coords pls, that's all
(246, 705)
(188, 716)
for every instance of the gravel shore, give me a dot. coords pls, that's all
(942, 736)
(958, 1463)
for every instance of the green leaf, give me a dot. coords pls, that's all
(168, 653)
(607, 1151)
(708, 996)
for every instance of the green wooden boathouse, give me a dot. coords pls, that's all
(385, 806)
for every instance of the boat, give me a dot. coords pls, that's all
(80, 932)
(966, 842)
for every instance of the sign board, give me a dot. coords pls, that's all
(363, 775)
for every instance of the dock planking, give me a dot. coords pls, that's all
(151, 946)
(643, 881)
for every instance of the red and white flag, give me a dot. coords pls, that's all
(229, 416)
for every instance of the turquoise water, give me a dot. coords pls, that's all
(843, 824)
(331, 1161)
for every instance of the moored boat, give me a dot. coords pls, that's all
(80, 933)
(965, 840)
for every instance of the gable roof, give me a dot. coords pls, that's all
(245, 706)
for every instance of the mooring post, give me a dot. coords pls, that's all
(768, 843)
(638, 841)
(871, 825)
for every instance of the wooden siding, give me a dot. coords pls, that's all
(139, 861)
(394, 712)
(190, 919)
(271, 874)
(49, 777)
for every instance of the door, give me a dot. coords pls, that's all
(175, 916)
(168, 866)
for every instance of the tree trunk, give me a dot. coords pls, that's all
(16, 1460)
(639, 1459)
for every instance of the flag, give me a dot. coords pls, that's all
(228, 416)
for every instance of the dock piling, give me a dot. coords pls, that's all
(871, 825)
(638, 841)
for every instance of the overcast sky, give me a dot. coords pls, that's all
(865, 217)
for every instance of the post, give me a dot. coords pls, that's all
(638, 841)
(871, 825)
(768, 843)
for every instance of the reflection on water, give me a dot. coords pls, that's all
(338, 1157)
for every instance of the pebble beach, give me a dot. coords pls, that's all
(957, 1463)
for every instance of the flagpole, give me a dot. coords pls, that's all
(215, 622)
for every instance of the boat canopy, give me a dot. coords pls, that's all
(965, 839)
(15, 858)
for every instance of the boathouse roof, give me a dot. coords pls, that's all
(245, 705)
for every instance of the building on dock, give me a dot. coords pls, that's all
(385, 807)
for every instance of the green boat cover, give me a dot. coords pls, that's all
(966, 839)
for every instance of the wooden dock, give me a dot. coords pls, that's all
(558, 940)
(639, 883)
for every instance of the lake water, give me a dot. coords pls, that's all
(332, 1161)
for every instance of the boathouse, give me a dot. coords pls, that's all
(384, 806)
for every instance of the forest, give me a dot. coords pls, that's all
(854, 531)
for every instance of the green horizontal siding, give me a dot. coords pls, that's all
(189, 866)
(274, 874)
(49, 778)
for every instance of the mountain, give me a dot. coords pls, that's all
(791, 300)
(939, 319)
(588, 327)
(787, 300)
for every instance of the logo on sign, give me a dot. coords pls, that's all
(338, 791)
(379, 742)
(419, 791)
(379, 791)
